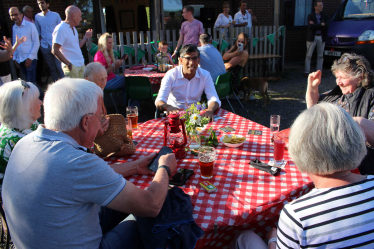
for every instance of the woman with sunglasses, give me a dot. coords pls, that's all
(19, 111)
(354, 93)
(236, 58)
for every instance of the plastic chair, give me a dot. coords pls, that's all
(223, 87)
(110, 91)
(238, 85)
(139, 88)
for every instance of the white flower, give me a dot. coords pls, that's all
(195, 119)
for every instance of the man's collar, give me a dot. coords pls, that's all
(47, 134)
(45, 12)
(22, 23)
(181, 76)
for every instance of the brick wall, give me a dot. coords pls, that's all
(58, 6)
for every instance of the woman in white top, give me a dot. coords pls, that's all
(224, 20)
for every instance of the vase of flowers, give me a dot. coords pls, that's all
(193, 119)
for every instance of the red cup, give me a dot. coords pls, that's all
(279, 144)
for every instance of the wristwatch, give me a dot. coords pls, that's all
(167, 169)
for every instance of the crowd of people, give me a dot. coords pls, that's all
(53, 187)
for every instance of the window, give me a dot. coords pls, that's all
(296, 12)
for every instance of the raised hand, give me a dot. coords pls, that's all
(314, 79)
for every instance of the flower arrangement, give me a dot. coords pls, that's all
(192, 117)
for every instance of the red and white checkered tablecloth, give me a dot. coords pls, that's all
(247, 198)
(154, 77)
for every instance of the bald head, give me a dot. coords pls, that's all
(73, 15)
(96, 73)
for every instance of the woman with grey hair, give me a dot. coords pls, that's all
(337, 213)
(354, 93)
(19, 111)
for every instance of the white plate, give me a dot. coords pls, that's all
(231, 145)
(147, 69)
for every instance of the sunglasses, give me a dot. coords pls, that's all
(194, 59)
(343, 60)
(25, 85)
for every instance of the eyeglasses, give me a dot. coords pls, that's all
(25, 85)
(194, 59)
(101, 116)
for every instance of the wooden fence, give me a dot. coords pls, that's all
(253, 68)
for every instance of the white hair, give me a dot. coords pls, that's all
(91, 69)
(67, 101)
(26, 7)
(325, 139)
(15, 108)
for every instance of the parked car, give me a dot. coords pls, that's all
(351, 30)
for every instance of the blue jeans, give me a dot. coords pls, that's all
(29, 73)
(53, 63)
(125, 233)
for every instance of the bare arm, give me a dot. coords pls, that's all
(161, 105)
(368, 128)
(87, 36)
(56, 52)
(147, 203)
(180, 41)
(236, 60)
(231, 53)
(212, 107)
(8, 49)
(312, 94)
(244, 24)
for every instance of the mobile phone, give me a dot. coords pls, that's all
(153, 165)
(180, 178)
(123, 56)
(240, 46)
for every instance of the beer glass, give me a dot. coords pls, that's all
(128, 127)
(274, 126)
(132, 113)
(207, 156)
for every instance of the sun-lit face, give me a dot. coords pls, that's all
(186, 14)
(163, 48)
(241, 39)
(35, 109)
(190, 62)
(346, 83)
(15, 16)
(77, 17)
(43, 5)
(109, 44)
(100, 78)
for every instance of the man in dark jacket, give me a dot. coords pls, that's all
(318, 24)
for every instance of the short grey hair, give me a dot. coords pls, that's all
(67, 101)
(356, 66)
(91, 69)
(15, 108)
(205, 38)
(325, 139)
(26, 7)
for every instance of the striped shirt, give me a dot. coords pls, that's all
(341, 217)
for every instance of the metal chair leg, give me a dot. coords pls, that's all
(114, 103)
(238, 99)
(230, 104)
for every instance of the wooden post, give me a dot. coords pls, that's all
(135, 38)
(276, 12)
(270, 30)
(128, 42)
(114, 35)
(256, 50)
(149, 47)
(141, 37)
(122, 49)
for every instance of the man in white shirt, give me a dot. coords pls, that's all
(26, 56)
(45, 23)
(66, 45)
(243, 18)
(184, 85)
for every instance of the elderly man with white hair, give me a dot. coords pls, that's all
(53, 189)
(338, 212)
(66, 45)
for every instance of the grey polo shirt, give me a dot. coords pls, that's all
(53, 190)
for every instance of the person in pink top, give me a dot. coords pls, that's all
(105, 56)
(27, 14)
(190, 30)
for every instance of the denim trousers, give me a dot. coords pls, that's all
(29, 73)
(118, 232)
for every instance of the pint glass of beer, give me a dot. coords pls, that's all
(128, 127)
(207, 155)
(132, 113)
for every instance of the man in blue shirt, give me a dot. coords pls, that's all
(45, 23)
(210, 59)
(26, 56)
